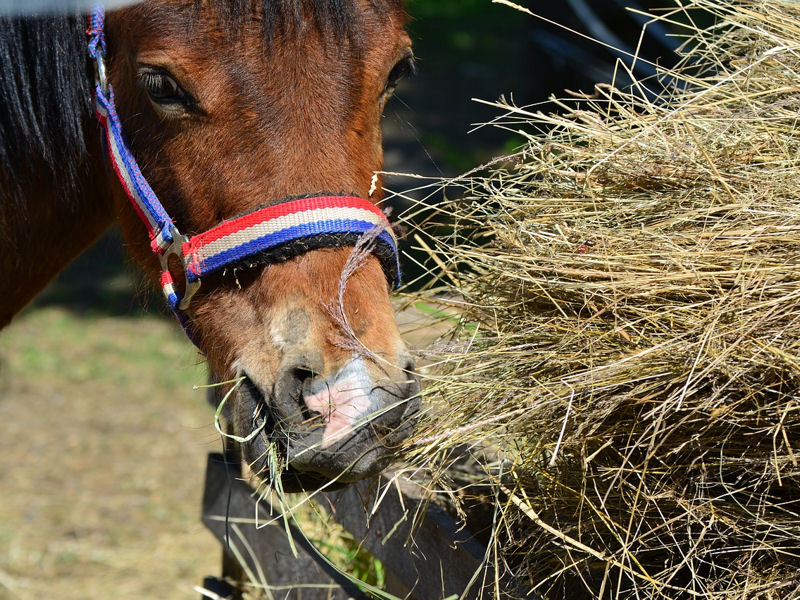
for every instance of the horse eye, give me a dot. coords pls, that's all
(402, 69)
(163, 89)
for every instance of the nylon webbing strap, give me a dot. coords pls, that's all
(276, 232)
(141, 195)
(282, 225)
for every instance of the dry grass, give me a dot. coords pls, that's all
(104, 448)
(629, 288)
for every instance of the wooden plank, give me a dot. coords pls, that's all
(428, 554)
(229, 511)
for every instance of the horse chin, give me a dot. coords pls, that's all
(297, 447)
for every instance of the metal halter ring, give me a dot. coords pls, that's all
(176, 249)
(100, 72)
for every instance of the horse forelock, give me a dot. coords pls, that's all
(333, 17)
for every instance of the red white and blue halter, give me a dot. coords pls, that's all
(273, 233)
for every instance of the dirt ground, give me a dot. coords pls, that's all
(103, 444)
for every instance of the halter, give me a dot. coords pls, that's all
(270, 234)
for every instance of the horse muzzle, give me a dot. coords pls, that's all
(340, 428)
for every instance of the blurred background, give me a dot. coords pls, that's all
(104, 439)
(469, 49)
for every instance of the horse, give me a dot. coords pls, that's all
(226, 109)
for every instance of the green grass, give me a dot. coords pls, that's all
(53, 342)
(346, 553)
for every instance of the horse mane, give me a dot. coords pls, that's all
(45, 96)
(46, 82)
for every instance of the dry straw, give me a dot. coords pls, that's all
(628, 295)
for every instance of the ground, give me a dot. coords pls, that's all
(104, 446)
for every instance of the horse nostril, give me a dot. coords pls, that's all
(292, 385)
(413, 378)
(302, 378)
(409, 366)
(302, 374)
(413, 388)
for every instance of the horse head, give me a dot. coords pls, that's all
(231, 106)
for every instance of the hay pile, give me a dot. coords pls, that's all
(629, 339)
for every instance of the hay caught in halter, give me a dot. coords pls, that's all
(629, 340)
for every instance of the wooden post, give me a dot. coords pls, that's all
(422, 547)
(230, 511)
(427, 555)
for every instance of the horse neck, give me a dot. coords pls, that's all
(44, 229)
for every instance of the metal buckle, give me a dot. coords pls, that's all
(175, 248)
(100, 72)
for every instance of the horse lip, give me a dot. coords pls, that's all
(366, 452)
(280, 406)
(277, 416)
(299, 441)
(259, 409)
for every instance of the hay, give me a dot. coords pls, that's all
(629, 342)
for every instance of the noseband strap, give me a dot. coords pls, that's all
(268, 234)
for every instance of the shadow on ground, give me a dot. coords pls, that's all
(103, 280)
